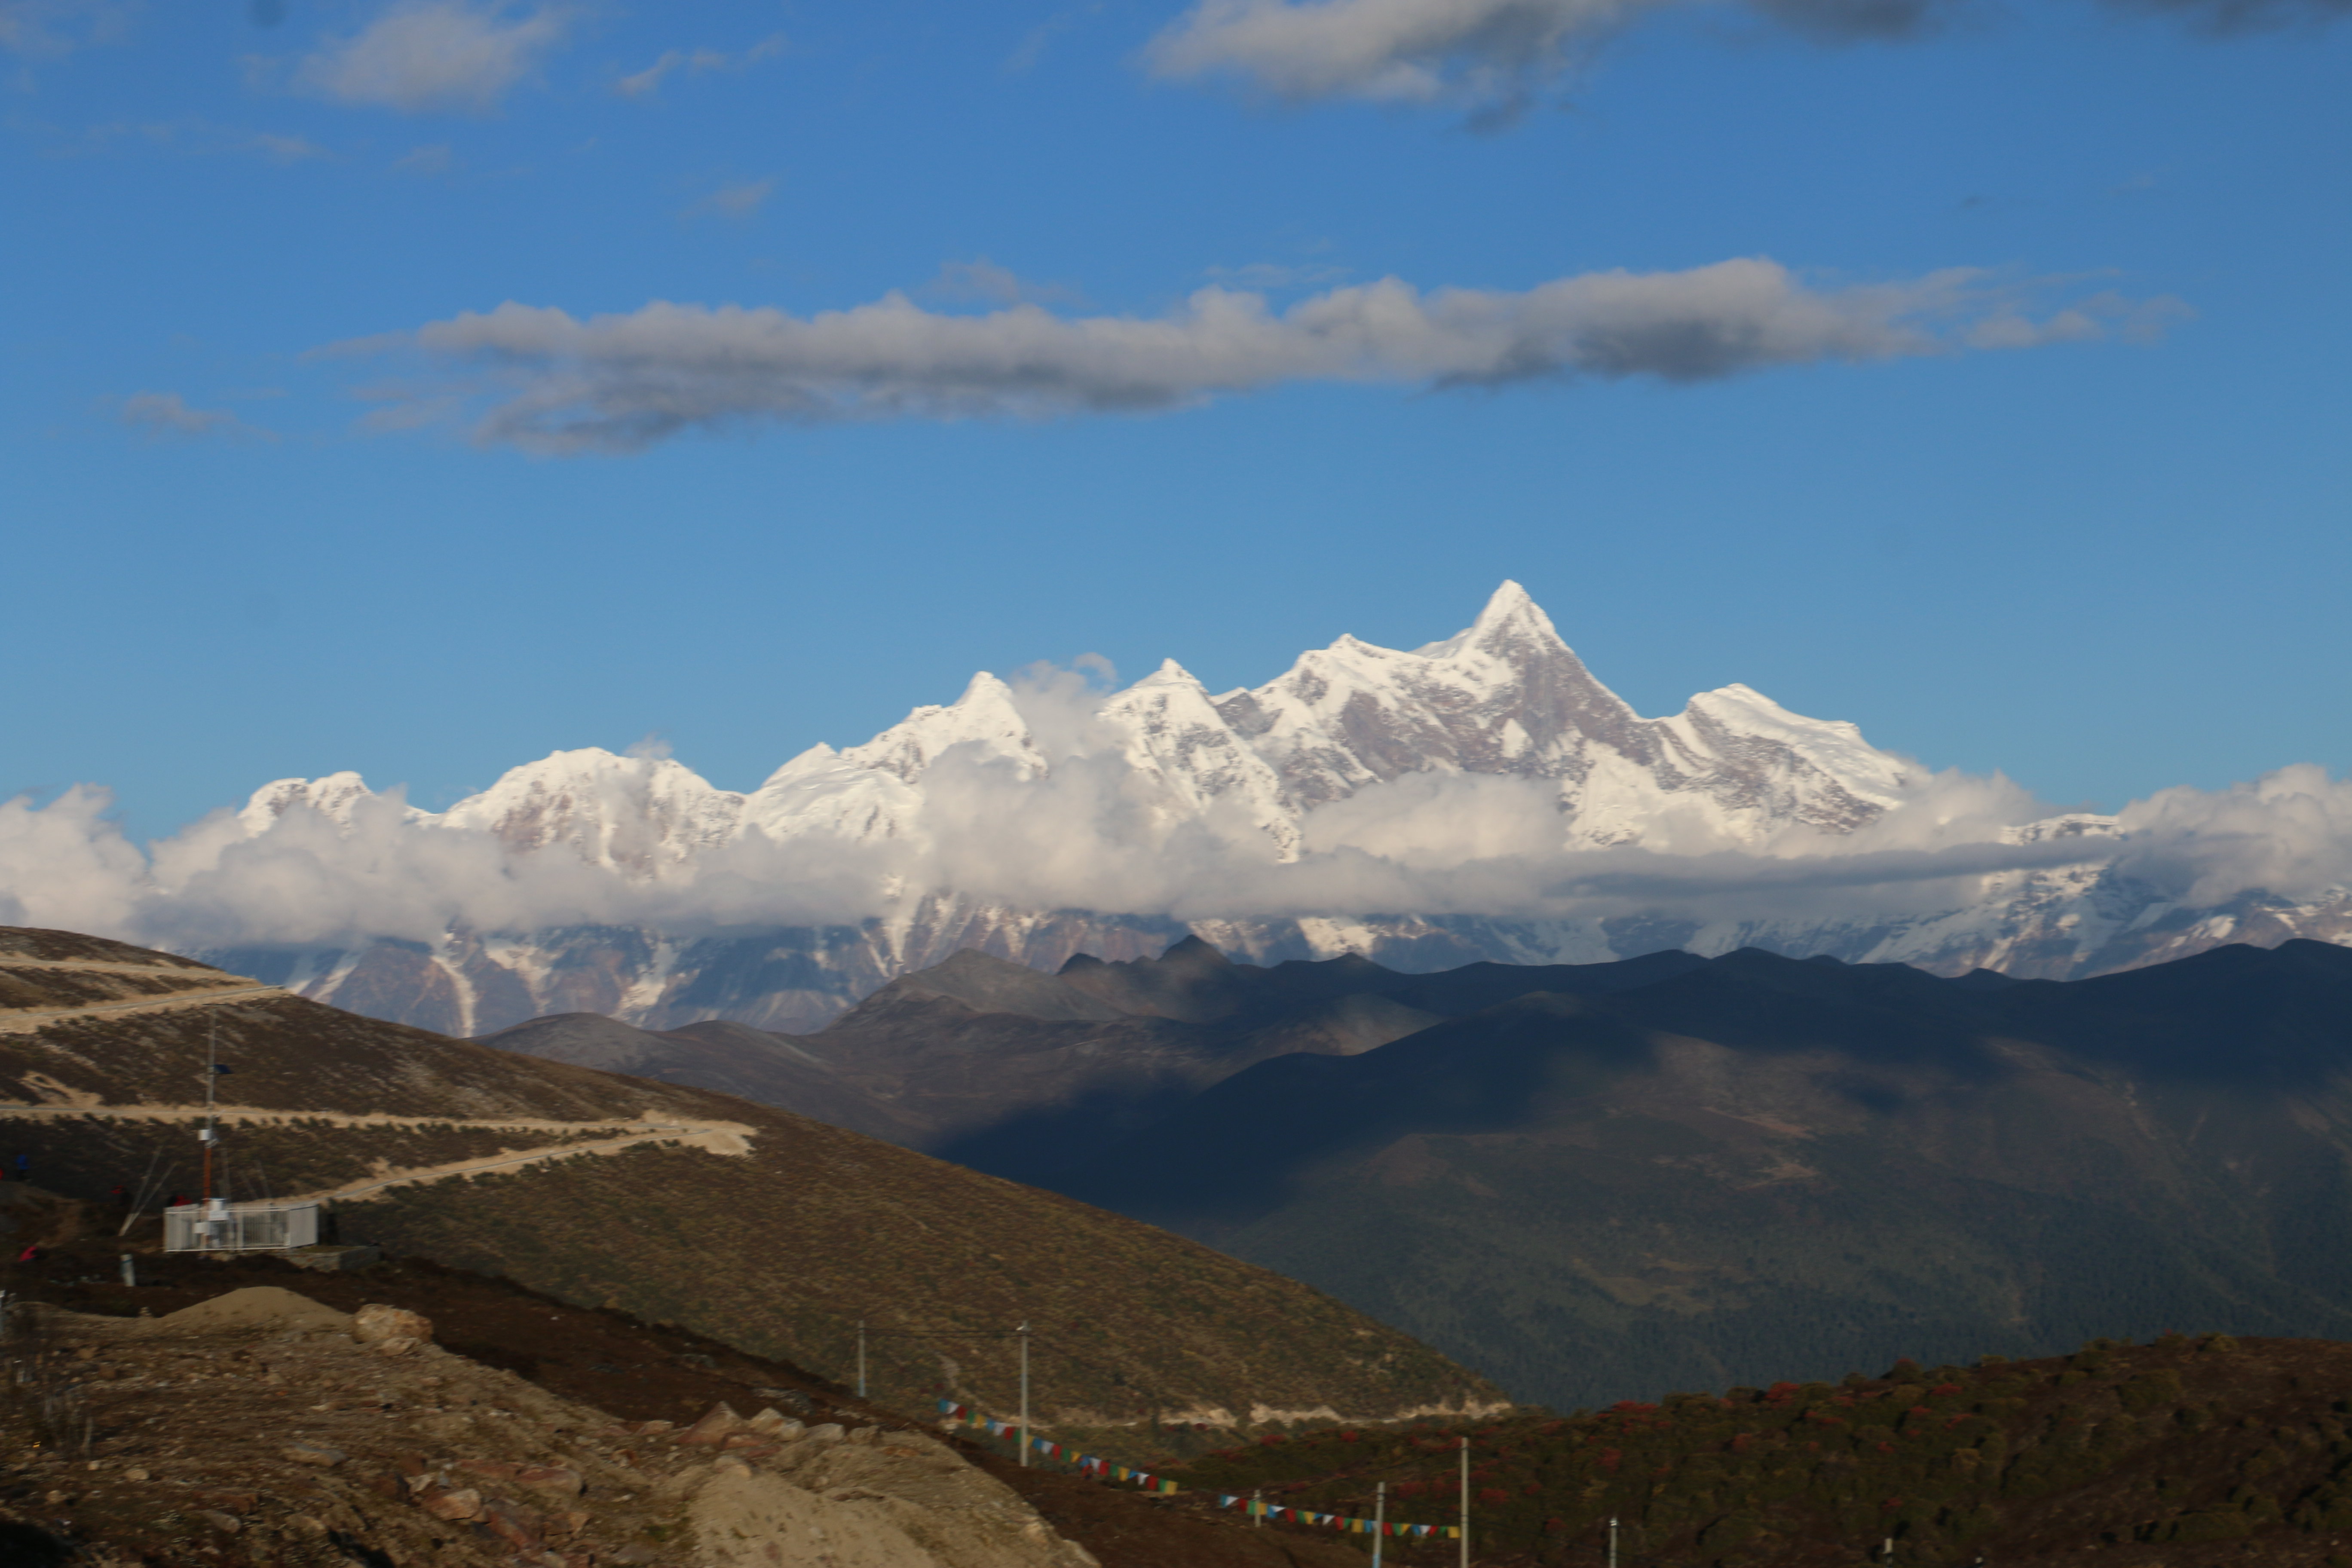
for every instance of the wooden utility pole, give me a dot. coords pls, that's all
(1023, 1332)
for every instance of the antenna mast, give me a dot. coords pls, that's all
(208, 1137)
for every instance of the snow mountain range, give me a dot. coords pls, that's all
(1482, 798)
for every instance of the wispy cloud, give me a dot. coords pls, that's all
(44, 30)
(193, 138)
(1491, 55)
(2227, 17)
(984, 280)
(558, 383)
(433, 158)
(286, 148)
(739, 200)
(1272, 276)
(161, 414)
(421, 56)
(647, 82)
(1033, 47)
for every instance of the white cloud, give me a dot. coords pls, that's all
(67, 866)
(2288, 832)
(161, 413)
(1398, 51)
(554, 382)
(435, 55)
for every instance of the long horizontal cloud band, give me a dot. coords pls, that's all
(1493, 51)
(559, 384)
(1065, 843)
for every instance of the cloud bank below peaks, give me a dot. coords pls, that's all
(1087, 834)
(541, 379)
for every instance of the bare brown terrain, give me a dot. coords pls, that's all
(221, 1411)
(760, 1228)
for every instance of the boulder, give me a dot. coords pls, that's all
(554, 1479)
(512, 1523)
(332, 1259)
(718, 1424)
(374, 1323)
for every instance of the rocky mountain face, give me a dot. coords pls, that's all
(1331, 810)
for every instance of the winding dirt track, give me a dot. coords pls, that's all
(713, 1137)
(25, 1020)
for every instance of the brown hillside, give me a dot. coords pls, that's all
(777, 1237)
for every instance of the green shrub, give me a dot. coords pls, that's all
(2151, 1390)
(1731, 1529)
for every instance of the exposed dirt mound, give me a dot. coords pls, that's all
(252, 1307)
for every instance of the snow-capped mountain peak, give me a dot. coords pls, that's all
(985, 718)
(334, 797)
(632, 813)
(1511, 617)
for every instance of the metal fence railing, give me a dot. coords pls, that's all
(223, 1226)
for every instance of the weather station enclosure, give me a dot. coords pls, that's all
(223, 1226)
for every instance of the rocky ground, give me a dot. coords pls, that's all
(243, 1412)
(263, 1426)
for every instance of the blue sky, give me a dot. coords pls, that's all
(281, 497)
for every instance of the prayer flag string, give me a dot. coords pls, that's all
(1103, 1469)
